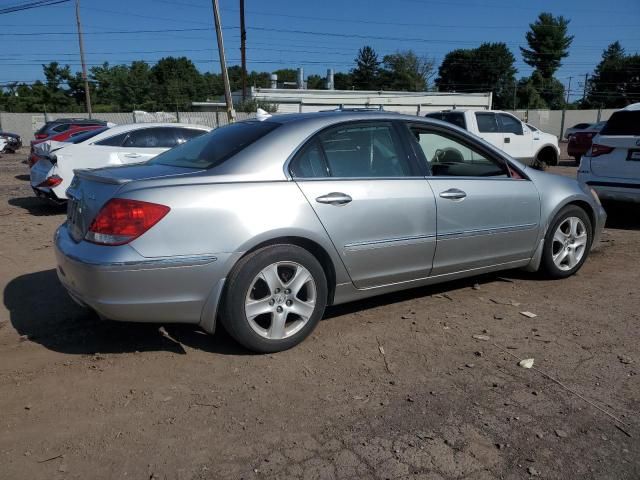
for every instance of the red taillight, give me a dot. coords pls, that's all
(52, 181)
(121, 221)
(597, 150)
(40, 136)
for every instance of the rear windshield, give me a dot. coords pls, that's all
(457, 118)
(86, 135)
(213, 148)
(623, 123)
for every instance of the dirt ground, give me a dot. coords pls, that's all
(396, 387)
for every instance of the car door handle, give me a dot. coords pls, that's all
(334, 198)
(132, 155)
(453, 194)
(507, 140)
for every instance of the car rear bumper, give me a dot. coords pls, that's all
(616, 189)
(121, 285)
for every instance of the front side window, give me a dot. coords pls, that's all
(487, 122)
(366, 150)
(447, 157)
(509, 124)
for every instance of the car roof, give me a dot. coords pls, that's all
(632, 108)
(337, 115)
(130, 127)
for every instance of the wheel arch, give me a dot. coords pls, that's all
(313, 247)
(548, 148)
(534, 265)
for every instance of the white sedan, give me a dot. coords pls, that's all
(122, 144)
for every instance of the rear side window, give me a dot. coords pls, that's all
(160, 137)
(114, 141)
(623, 123)
(83, 136)
(310, 163)
(360, 150)
(456, 118)
(212, 149)
(487, 122)
(62, 127)
(186, 134)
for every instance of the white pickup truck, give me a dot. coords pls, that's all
(508, 133)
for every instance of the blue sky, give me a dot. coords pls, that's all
(278, 32)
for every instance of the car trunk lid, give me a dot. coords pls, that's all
(622, 162)
(91, 189)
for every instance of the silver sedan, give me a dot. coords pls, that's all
(262, 224)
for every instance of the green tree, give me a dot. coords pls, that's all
(406, 71)
(616, 81)
(316, 82)
(343, 81)
(366, 74)
(288, 75)
(548, 44)
(490, 67)
(54, 97)
(176, 83)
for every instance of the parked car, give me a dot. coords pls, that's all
(263, 223)
(612, 164)
(67, 136)
(10, 142)
(122, 144)
(506, 132)
(580, 140)
(45, 149)
(62, 124)
(577, 127)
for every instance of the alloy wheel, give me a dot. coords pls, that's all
(280, 300)
(569, 243)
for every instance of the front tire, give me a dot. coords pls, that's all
(274, 298)
(567, 242)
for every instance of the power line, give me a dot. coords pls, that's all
(30, 5)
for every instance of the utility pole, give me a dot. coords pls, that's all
(568, 90)
(231, 113)
(564, 110)
(87, 94)
(584, 92)
(515, 89)
(243, 52)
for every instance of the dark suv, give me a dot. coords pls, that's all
(62, 124)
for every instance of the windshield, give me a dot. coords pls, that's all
(213, 148)
(86, 135)
(624, 122)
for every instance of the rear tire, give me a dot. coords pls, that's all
(274, 298)
(567, 242)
